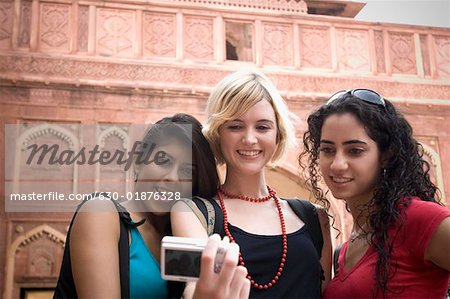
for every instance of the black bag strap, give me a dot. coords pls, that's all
(124, 257)
(306, 211)
(218, 224)
(336, 253)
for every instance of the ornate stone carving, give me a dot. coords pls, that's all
(111, 176)
(37, 131)
(443, 55)
(159, 34)
(41, 259)
(31, 173)
(143, 74)
(25, 23)
(114, 131)
(315, 47)
(33, 257)
(402, 53)
(115, 32)
(199, 38)
(43, 232)
(353, 49)
(379, 52)
(430, 146)
(292, 7)
(55, 27)
(6, 22)
(83, 28)
(277, 44)
(19, 229)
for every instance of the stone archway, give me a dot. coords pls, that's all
(434, 159)
(35, 132)
(22, 242)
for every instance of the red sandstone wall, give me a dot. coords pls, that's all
(103, 62)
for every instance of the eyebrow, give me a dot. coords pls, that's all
(353, 141)
(261, 120)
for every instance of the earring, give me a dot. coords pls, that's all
(384, 173)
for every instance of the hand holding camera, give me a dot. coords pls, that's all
(180, 257)
(213, 263)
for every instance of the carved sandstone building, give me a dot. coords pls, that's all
(133, 61)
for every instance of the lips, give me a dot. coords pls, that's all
(249, 153)
(160, 189)
(340, 180)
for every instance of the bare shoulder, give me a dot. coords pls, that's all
(98, 205)
(94, 239)
(96, 219)
(185, 222)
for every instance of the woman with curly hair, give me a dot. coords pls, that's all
(364, 150)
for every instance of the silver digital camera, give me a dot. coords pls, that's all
(180, 258)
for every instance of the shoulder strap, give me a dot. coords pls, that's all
(209, 214)
(336, 253)
(124, 261)
(218, 224)
(306, 211)
(201, 215)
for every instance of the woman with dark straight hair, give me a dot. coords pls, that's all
(114, 252)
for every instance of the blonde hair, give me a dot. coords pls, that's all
(234, 96)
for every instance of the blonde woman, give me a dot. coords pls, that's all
(248, 127)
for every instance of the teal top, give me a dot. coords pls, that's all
(145, 277)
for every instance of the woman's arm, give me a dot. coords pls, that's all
(94, 251)
(231, 282)
(438, 251)
(186, 224)
(326, 258)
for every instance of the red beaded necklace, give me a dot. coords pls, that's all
(283, 232)
(247, 198)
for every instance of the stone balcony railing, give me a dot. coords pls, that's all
(150, 45)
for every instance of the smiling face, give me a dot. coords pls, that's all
(172, 172)
(349, 159)
(249, 141)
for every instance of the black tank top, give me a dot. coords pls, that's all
(301, 277)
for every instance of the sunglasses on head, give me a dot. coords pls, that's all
(366, 95)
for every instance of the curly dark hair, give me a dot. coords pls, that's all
(406, 174)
